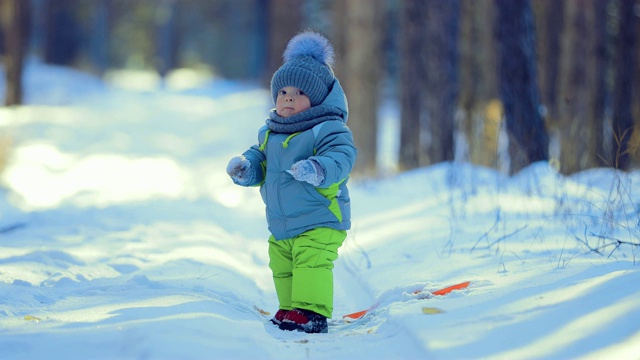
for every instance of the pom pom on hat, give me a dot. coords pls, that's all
(308, 58)
(309, 44)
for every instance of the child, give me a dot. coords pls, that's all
(302, 162)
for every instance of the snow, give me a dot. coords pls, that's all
(121, 236)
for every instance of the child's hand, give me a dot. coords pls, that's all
(309, 171)
(239, 169)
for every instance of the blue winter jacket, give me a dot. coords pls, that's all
(293, 207)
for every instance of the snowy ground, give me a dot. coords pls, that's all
(122, 237)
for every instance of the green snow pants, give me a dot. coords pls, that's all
(303, 269)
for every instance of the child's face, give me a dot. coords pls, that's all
(291, 101)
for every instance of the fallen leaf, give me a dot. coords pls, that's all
(263, 312)
(32, 318)
(431, 310)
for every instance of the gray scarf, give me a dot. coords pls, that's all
(304, 120)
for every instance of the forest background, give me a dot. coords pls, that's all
(500, 83)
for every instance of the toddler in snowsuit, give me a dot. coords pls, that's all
(302, 162)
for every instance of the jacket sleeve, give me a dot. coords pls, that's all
(257, 158)
(335, 152)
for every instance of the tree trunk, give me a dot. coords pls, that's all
(100, 27)
(528, 141)
(284, 21)
(549, 26)
(581, 86)
(361, 80)
(634, 144)
(625, 67)
(599, 60)
(412, 73)
(62, 43)
(441, 81)
(478, 85)
(166, 36)
(14, 20)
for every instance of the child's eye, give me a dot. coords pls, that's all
(282, 92)
(300, 92)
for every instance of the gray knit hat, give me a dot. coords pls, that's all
(308, 58)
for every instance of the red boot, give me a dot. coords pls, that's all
(304, 320)
(278, 317)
